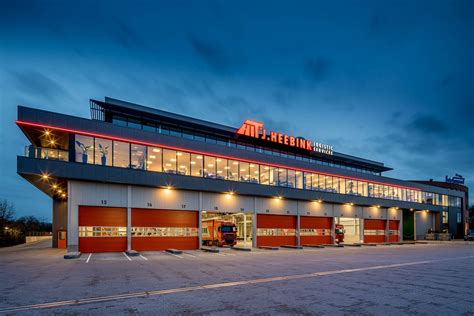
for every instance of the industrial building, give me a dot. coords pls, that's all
(137, 178)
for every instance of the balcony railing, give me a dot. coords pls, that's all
(46, 153)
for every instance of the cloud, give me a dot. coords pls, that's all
(128, 37)
(36, 84)
(317, 69)
(214, 54)
(427, 125)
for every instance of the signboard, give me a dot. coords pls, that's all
(256, 130)
(458, 179)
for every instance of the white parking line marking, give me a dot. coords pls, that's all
(217, 285)
(188, 254)
(129, 259)
(143, 257)
(174, 255)
(88, 258)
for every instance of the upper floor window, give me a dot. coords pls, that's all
(84, 146)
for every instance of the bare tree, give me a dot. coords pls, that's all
(7, 213)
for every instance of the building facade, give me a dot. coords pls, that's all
(138, 178)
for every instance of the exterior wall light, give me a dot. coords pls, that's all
(319, 201)
(44, 176)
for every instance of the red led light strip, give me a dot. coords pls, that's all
(201, 153)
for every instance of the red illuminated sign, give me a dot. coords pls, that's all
(256, 130)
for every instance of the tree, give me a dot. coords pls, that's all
(7, 213)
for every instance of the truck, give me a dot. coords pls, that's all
(219, 233)
(339, 234)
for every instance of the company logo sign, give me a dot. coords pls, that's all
(458, 179)
(256, 130)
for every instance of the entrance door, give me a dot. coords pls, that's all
(62, 239)
(393, 229)
(351, 229)
(102, 229)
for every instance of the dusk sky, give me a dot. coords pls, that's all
(391, 81)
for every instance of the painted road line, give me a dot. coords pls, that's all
(188, 254)
(217, 285)
(143, 257)
(175, 255)
(89, 258)
(129, 259)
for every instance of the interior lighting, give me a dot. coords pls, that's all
(210, 165)
(173, 159)
(193, 162)
(152, 156)
(179, 154)
(156, 150)
(198, 157)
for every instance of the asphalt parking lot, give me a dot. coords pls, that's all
(404, 279)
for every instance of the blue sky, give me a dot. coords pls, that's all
(386, 80)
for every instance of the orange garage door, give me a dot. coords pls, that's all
(374, 230)
(164, 229)
(393, 226)
(102, 229)
(276, 230)
(315, 230)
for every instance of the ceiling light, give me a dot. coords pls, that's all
(198, 157)
(45, 176)
(152, 156)
(156, 150)
(63, 195)
(173, 159)
(179, 154)
(60, 191)
(193, 162)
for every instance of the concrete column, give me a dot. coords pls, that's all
(245, 229)
(387, 236)
(298, 222)
(72, 221)
(361, 229)
(129, 218)
(254, 223)
(200, 219)
(333, 230)
(400, 225)
(414, 225)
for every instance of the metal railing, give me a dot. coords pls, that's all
(46, 153)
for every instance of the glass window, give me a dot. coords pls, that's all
(253, 170)
(233, 170)
(169, 161)
(291, 178)
(188, 134)
(265, 175)
(209, 167)
(149, 127)
(183, 163)
(154, 159)
(164, 130)
(349, 186)
(199, 137)
(197, 165)
(298, 179)
(221, 167)
(322, 182)
(329, 183)
(307, 181)
(102, 149)
(118, 120)
(282, 177)
(273, 176)
(175, 132)
(138, 154)
(121, 154)
(315, 182)
(362, 188)
(244, 171)
(342, 186)
(84, 147)
(134, 124)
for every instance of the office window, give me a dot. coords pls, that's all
(322, 182)
(299, 180)
(233, 170)
(458, 217)
(254, 173)
(197, 165)
(84, 147)
(349, 186)
(149, 127)
(169, 161)
(282, 177)
(175, 132)
(118, 120)
(265, 175)
(138, 154)
(134, 124)
(315, 182)
(273, 176)
(291, 178)
(342, 186)
(121, 154)
(307, 180)
(222, 168)
(362, 188)
(103, 151)
(329, 184)
(183, 163)
(153, 162)
(209, 167)
(244, 171)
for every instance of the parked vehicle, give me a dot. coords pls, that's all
(218, 233)
(339, 234)
(470, 235)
